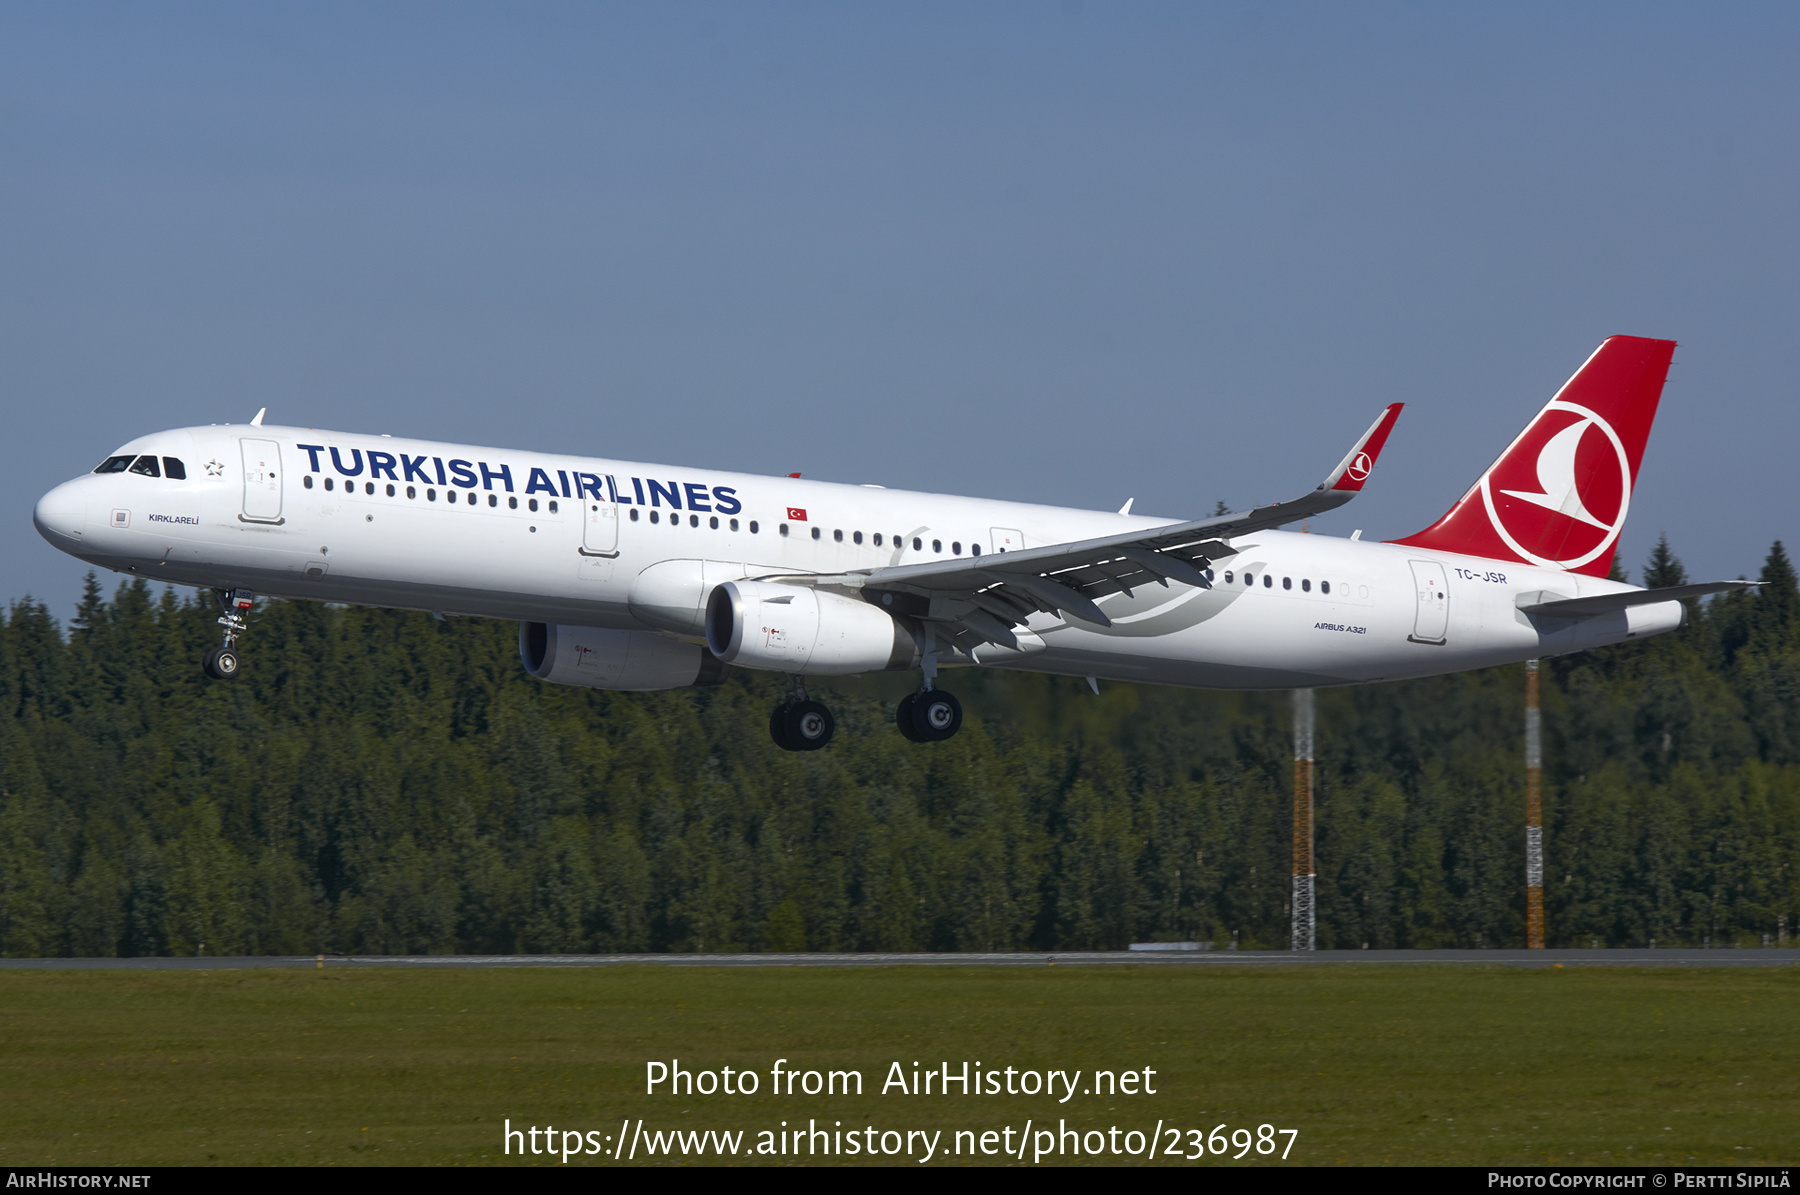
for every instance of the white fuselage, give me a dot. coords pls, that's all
(605, 543)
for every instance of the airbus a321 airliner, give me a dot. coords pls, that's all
(643, 577)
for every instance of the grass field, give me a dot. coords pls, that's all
(1372, 1065)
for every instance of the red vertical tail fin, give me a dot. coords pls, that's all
(1558, 495)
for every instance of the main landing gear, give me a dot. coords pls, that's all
(929, 716)
(801, 724)
(222, 662)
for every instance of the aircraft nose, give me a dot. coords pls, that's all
(61, 515)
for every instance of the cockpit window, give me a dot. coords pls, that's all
(172, 467)
(114, 464)
(147, 465)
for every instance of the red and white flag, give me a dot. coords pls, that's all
(797, 514)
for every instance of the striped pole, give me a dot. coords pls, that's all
(1534, 812)
(1305, 935)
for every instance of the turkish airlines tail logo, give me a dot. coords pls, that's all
(1556, 474)
(1559, 494)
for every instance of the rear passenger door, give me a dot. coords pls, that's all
(1431, 618)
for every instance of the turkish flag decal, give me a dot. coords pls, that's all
(797, 513)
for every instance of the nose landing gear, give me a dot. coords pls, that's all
(222, 662)
(801, 724)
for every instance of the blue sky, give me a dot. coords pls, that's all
(1068, 253)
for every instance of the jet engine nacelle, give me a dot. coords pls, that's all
(594, 658)
(803, 631)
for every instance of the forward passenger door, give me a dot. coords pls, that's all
(262, 481)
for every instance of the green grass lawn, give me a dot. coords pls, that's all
(1373, 1064)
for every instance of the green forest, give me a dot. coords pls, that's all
(377, 782)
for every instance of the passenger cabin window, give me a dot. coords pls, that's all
(1287, 582)
(1268, 580)
(634, 517)
(1324, 586)
(147, 466)
(857, 538)
(937, 545)
(390, 490)
(307, 481)
(838, 535)
(328, 483)
(917, 546)
(1305, 585)
(878, 539)
(114, 464)
(552, 506)
(173, 468)
(815, 533)
(754, 527)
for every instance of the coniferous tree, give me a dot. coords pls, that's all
(1664, 570)
(383, 782)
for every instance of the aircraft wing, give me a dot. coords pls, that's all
(983, 597)
(1607, 603)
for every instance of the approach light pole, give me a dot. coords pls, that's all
(1305, 935)
(1534, 812)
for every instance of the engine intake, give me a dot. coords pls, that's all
(595, 658)
(803, 631)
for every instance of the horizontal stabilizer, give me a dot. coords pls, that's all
(1607, 603)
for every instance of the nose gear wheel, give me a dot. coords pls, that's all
(221, 663)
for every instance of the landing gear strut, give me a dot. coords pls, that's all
(222, 662)
(801, 724)
(930, 715)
